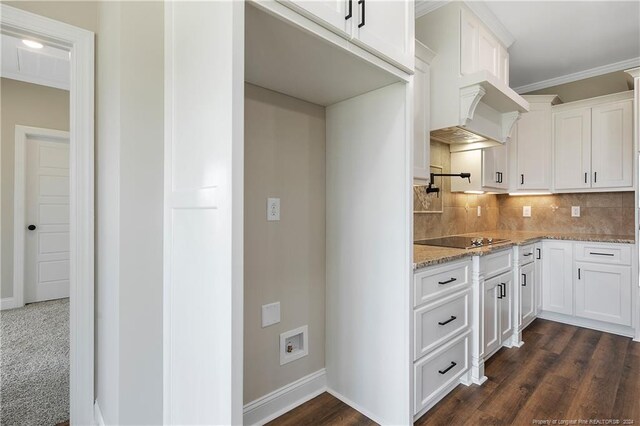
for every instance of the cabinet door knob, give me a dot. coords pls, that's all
(31, 227)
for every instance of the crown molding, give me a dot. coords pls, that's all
(485, 14)
(580, 75)
(422, 7)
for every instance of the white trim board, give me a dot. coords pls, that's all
(282, 400)
(80, 43)
(580, 75)
(22, 133)
(7, 303)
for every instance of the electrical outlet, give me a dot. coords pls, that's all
(575, 211)
(479, 211)
(270, 314)
(526, 211)
(273, 209)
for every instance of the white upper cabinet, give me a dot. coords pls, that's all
(531, 146)
(594, 144)
(385, 28)
(495, 167)
(480, 50)
(612, 145)
(421, 115)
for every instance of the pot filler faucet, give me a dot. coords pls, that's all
(431, 188)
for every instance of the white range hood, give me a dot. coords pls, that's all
(472, 105)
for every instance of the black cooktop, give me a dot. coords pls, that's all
(461, 242)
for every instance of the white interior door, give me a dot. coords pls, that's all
(47, 220)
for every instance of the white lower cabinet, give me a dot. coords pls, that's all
(442, 330)
(498, 311)
(537, 276)
(557, 280)
(603, 292)
(527, 294)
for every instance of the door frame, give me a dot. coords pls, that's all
(19, 201)
(80, 43)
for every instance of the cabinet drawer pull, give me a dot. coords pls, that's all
(450, 280)
(595, 177)
(578, 273)
(600, 254)
(447, 321)
(350, 14)
(528, 254)
(522, 179)
(524, 280)
(539, 254)
(585, 177)
(453, 364)
(361, 24)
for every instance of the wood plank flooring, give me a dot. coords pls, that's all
(561, 373)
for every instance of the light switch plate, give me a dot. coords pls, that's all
(273, 209)
(270, 314)
(575, 211)
(526, 211)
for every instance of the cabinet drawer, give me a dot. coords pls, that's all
(497, 263)
(435, 372)
(438, 322)
(440, 280)
(526, 254)
(619, 254)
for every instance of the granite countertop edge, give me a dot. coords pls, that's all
(518, 240)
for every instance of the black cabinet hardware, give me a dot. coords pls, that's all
(600, 254)
(497, 177)
(504, 290)
(521, 179)
(499, 291)
(450, 280)
(578, 273)
(447, 321)
(501, 181)
(350, 14)
(595, 177)
(539, 254)
(528, 254)
(361, 24)
(453, 364)
(31, 227)
(524, 280)
(585, 177)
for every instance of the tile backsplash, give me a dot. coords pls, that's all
(610, 213)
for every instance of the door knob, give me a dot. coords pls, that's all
(31, 227)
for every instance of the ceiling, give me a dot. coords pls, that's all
(48, 66)
(558, 42)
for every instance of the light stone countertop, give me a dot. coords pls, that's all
(424, 256)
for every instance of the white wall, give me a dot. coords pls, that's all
(283, 261)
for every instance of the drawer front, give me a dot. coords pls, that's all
(441, 280)
(438, 370)
(497, 263)
(438, 322)
(526, 254)
(617, 254)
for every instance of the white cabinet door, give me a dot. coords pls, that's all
(531, 141)
(572, 136)
(506, 306)
(332, 14)
(557, 278)
(612, 145)
(527, 293)
(385, 27)
(494, 167)
(469, 33)
(421, 127)
(537, 276)
(603, 292)
(491, 316)
(488, 51)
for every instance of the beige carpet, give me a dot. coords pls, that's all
(34, 364)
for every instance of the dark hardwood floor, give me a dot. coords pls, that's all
(561, 373)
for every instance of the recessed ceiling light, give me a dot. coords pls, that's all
(33, 44)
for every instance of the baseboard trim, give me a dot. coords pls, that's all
(97, 414)
(288, 397)
(7, 303)
(621, 330)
